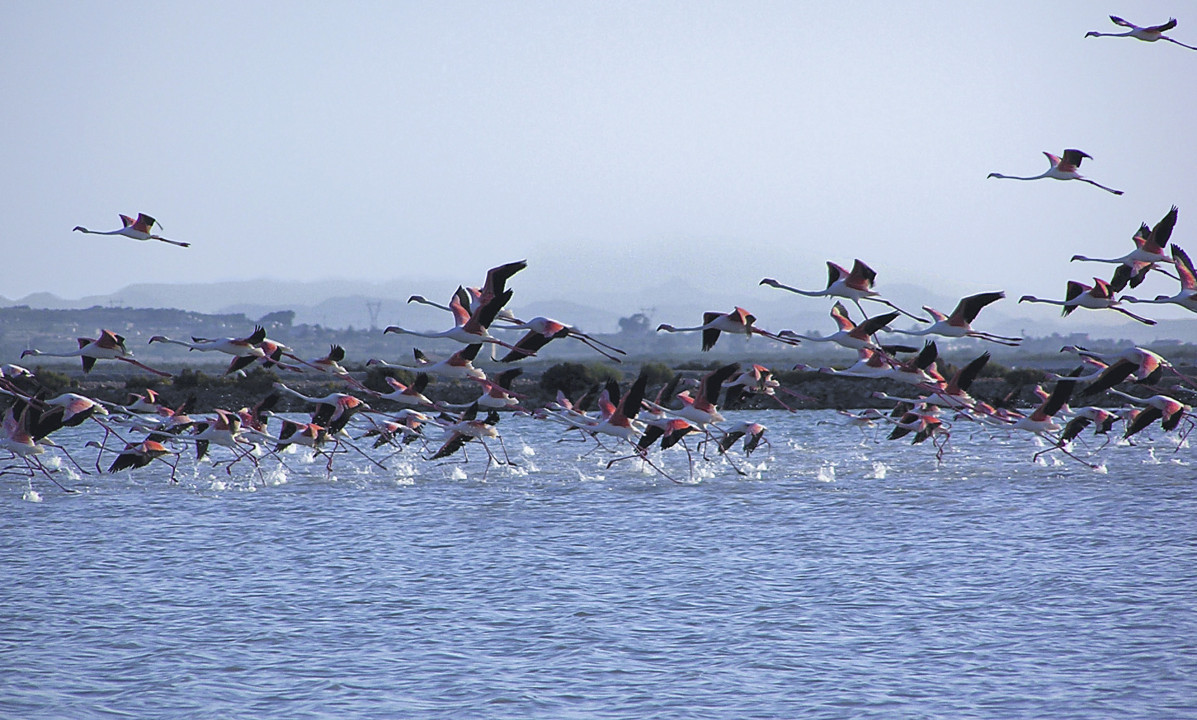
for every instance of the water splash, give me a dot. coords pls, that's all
(879, 470)
(32, 495)
(275, 476)
(826, 473)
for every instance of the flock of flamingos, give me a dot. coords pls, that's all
(633, 422)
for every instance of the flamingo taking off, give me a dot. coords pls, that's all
(141, 228)
(1061, 169)
(1146, 34)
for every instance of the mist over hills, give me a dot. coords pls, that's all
(354, 304)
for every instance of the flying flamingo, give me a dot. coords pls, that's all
(869, 364)
(856, 285)
(738, 321)
(473, 298)
(469, 328)
(1149, 248)
(1061, 169)
(458, 366)
(1099, 296)
(109, 346)
(1146, 34)
(850, 334)
(541, 330)
(1186, 297)
(139, 229)
(245, 351)
(405, 394)
(959, 323)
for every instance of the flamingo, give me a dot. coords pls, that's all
(333, 411)
(856, 285)
(756, 379)
(469, 328)
(1083, 417)
(1186, 297)
(869, 364)
(1143, 364)
(109, 346)
(1042, 420)
(1061, 169)
(923, 420)
(620, 414)
(496, 394)
(1169, 411)
(850, 335)
(541, 330)
(1146, 34)
(469, 427)
(959, 323)
(309, 435)
(701, 408)
(138, 229)
(738, 321)
(1099, 296)
(1149, 249)
(475, 297)
(458, 366)
(752, 432)
(224, 430)
(405, 394)
(920, 370)
(67, 410)
(245, 351)
(138, 455)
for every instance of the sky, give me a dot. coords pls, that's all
(614, 145)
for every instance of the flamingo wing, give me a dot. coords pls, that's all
(968, 308)
(1162, 231)
(1184, 269)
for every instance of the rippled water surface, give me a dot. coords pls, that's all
(838, 578)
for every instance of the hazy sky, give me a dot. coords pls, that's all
(611, 144)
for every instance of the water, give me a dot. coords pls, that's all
(840, 578)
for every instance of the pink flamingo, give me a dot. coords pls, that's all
(1061, 169)
(1150, 33)
(109, 346)
(138, 229)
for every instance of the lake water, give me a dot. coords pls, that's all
(841, 578)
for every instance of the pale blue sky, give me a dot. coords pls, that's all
(612, 144)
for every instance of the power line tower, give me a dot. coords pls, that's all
(374, 307)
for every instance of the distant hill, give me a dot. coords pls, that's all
(342, 304)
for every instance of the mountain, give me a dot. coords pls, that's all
(678, 301)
